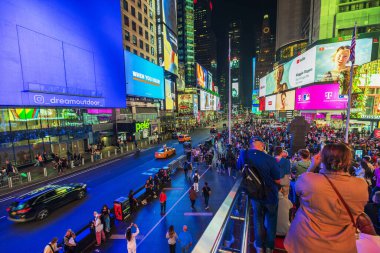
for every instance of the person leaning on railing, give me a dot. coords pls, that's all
(322, 224)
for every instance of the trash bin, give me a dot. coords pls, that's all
(121, 208)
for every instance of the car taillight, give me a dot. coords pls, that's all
(25, 210)
(8, 209)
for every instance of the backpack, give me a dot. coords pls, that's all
(196, 179)
(253, 182)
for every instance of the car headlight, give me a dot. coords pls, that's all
(84, 186)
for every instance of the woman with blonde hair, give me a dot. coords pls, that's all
(322, 223)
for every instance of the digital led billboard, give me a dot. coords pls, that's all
(270, 103)
(322, 63)
(61, 53)
(195, 105)
(262, 103)
(255, 98)
(169, 94)
(201, 74)
(235, 89)
(285, 100)
(144, 79)
(206, 101)
(209, 82)
(320, 97)
(168, 15)
(186, 104)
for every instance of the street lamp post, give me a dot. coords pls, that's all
(229, 89)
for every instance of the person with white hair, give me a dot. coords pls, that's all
(99, 232)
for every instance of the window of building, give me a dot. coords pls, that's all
(146, 22)
(151, 39)
(147, 58)
(140, 17)
(147, 47)
(142, 55)
(134, 25)
(151, 3)
(139, 3)
(145, 9)
(141, 44)
(153, 61)
(126, 36)
(146, 35)
(128, 48)
(151, 14)
(141, 31)
(133, 11)
(135, 51)
(125, 5)
(152, 50)
(134, 40)
(126, 20)
(151, 27)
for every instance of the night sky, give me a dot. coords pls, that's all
(251, 13)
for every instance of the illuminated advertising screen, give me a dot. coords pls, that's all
(186, 104)
(253, 72)
(285, 100)
(169, 95)
(320, 97)
(368, 75)
(169, 14)
(332, 60)
(255, 98)
(195, 105)
(201, 76)
(206, 101)
(270, 103)
(61, 53)
(144, 79)
(209, 82)
(263, 86)
(262, 103)
(235, 89)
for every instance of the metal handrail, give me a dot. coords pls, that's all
(211, 238)
(245, 238)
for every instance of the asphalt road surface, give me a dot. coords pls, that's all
(105, 183)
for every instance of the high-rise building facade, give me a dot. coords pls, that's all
(234, 32)
(291, 28)
(205, 40)
(186, 54)
(330, 19)
(139, 28)
(265, 57)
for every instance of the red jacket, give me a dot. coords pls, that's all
(162, 197)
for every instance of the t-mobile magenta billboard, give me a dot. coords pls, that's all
(320, 97)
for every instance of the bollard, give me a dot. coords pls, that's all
(115, 151)
(121, 150)
(82, 161)
(45, 173)
(109, 153)
(132, 147)
(10, 183)
(72, 164)
(92, 158)
(30, 176)
(101, 155)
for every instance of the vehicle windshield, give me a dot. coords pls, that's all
(161, 150)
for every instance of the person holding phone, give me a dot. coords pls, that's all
(131, 238)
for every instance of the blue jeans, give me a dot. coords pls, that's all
(264, 236)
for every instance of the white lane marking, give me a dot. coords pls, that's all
(167, 213)
(198, 214)
(69, 176)
(7, 198)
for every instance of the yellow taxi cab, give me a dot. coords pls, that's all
(164, 152)
(184, 138)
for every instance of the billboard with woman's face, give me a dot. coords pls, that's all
(285, 100)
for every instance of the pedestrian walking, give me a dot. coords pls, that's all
(131, 238)
(185, 239)
(52, 247)
(206, 191)
(192, 196)
(69, 242)
(196, 181)
(186, 169)
(163, 198)
(98, 226)
(172, 237)
(264, 208)
(106, 220)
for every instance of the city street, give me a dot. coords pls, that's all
(105, 184)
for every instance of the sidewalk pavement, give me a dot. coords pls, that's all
(37, 174)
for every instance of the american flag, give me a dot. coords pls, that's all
(353, 44)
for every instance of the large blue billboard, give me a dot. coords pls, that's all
(61, 53)
(144, 79)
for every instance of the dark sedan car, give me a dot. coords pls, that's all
(37, 204)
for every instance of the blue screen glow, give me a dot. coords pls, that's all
(61, 53)
(144, 79)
